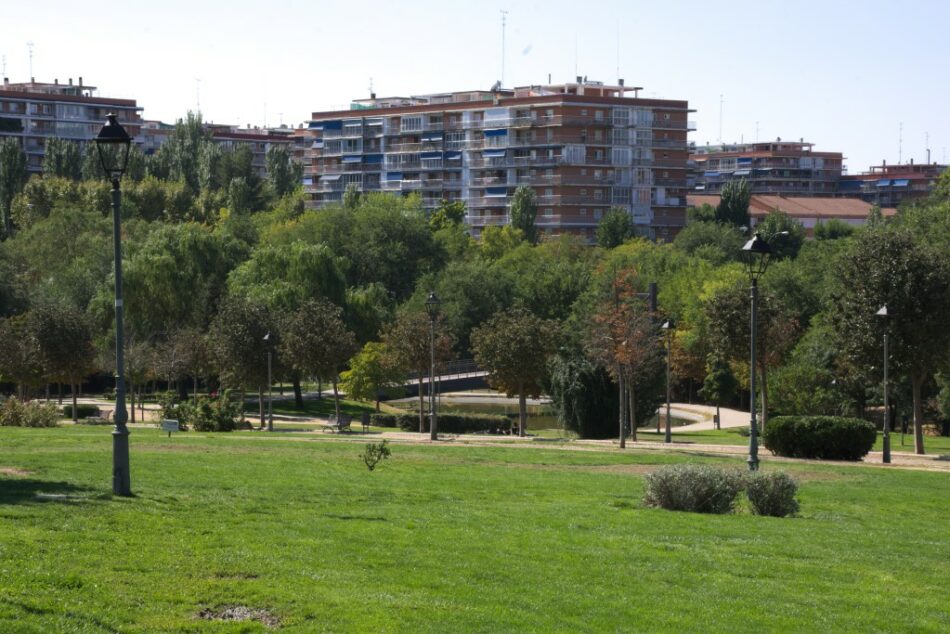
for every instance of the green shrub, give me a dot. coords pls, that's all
(374, 453)
(825, 437)
(83, 410)
(772, 494)
(17, 413)
(449, 423)
(209, 414)
(693, 488)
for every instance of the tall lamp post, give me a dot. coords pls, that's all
(269, 344)
(884, 314)
(113, 144)
(432, 308)
(756, 253)
(668, 327)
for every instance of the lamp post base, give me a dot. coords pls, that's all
(121, 482)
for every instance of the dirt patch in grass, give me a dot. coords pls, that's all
(14, 471)
(239, 613)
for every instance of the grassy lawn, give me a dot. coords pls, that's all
(445, 539)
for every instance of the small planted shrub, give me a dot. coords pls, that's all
(824, 437)
(772, 494)
(83, 410)
(374, 453)
(208, 414)
(17, 413)
(693, 488)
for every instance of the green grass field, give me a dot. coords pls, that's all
(445, 539)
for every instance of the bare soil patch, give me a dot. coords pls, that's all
(14, 471)
(239, 613)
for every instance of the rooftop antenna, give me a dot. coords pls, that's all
(720, 118)
(372, 95)
(927, 145)
(29, 46)
(900, 143)
(504, 16)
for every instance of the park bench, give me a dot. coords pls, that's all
(338, 423)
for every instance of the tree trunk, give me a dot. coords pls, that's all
(298, 393)
(243, 404)
(622, 418)
(336, 399)
(131, 401)
(522, 412)
(75, 408)
(319, 389)
(195, 380)
(763, 398)
(260, 403)
(47, 392)
(916, 382)
(59, 389)
(422, 408)
(632, 408)
(718, 424)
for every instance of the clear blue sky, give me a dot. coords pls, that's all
(843, 75)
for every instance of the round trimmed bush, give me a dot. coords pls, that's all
(694, 488)
(824, 437)
(83, 410)
(772, 494)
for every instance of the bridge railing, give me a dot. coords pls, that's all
(449, 370)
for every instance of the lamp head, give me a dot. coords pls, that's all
(756, 253)
(113, 144)
(432, 305)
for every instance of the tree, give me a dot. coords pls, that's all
(734, 201)
(19, 354)
(833, 229)
(12, 178)
(615, 228)
(283, 172)
(713, 241)
(514, 346)
(449, 213)
(784, 234)
(315, 342)
(62, 158)
(372, 374)
(583, 394)
(720, 385)
(351, 196)
(238, 350)
(728, 318)
(703, 213)
(408, 340)
(894, 267)
(497, 241)
(63, 344)
(524, 210)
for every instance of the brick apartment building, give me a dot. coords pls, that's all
(32, 112)
(787, 168)
(890, 185)
(582, 146)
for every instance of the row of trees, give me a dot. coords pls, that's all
(213, 263)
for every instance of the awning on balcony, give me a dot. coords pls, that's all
(431, 155)
(373, 158)
(742, 172)
(496, 191)
(353, 158)
(453, 156)
(393, 176)
(330, 177)
(331, 125)
(497, 132)
(493, 154)
(901, 182)
(431, 136)
(884, 182)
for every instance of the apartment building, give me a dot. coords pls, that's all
(786, 168)
(582, 146)
(890, 185)
(32, 112)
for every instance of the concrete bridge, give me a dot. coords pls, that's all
(454, 376)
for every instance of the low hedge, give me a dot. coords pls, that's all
(449, 423)
(83, 410)
(825, 437)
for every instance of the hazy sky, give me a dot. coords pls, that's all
(843, 75)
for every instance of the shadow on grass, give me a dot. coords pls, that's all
(83, 619)
(26, 490)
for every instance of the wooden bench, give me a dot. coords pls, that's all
(338, 423)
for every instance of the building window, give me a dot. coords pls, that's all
(583, 112)
(583, 171)
(599, 115)
(583, 211)
(548, 192)
(548, 211)
(583, 192)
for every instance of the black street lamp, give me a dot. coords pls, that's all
(432, 308)
(268, 343)
(756, 253)
(113, 144)
(884, 314)
(668, 326)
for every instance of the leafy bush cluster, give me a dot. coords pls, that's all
(825, 437)
(208, 414)
(83, 410)
(694, 488)
(374, 453)
(449, 423)
(17, 413)
(706, 489)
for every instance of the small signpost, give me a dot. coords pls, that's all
(169, 425)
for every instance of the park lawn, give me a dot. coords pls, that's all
(446, 539)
